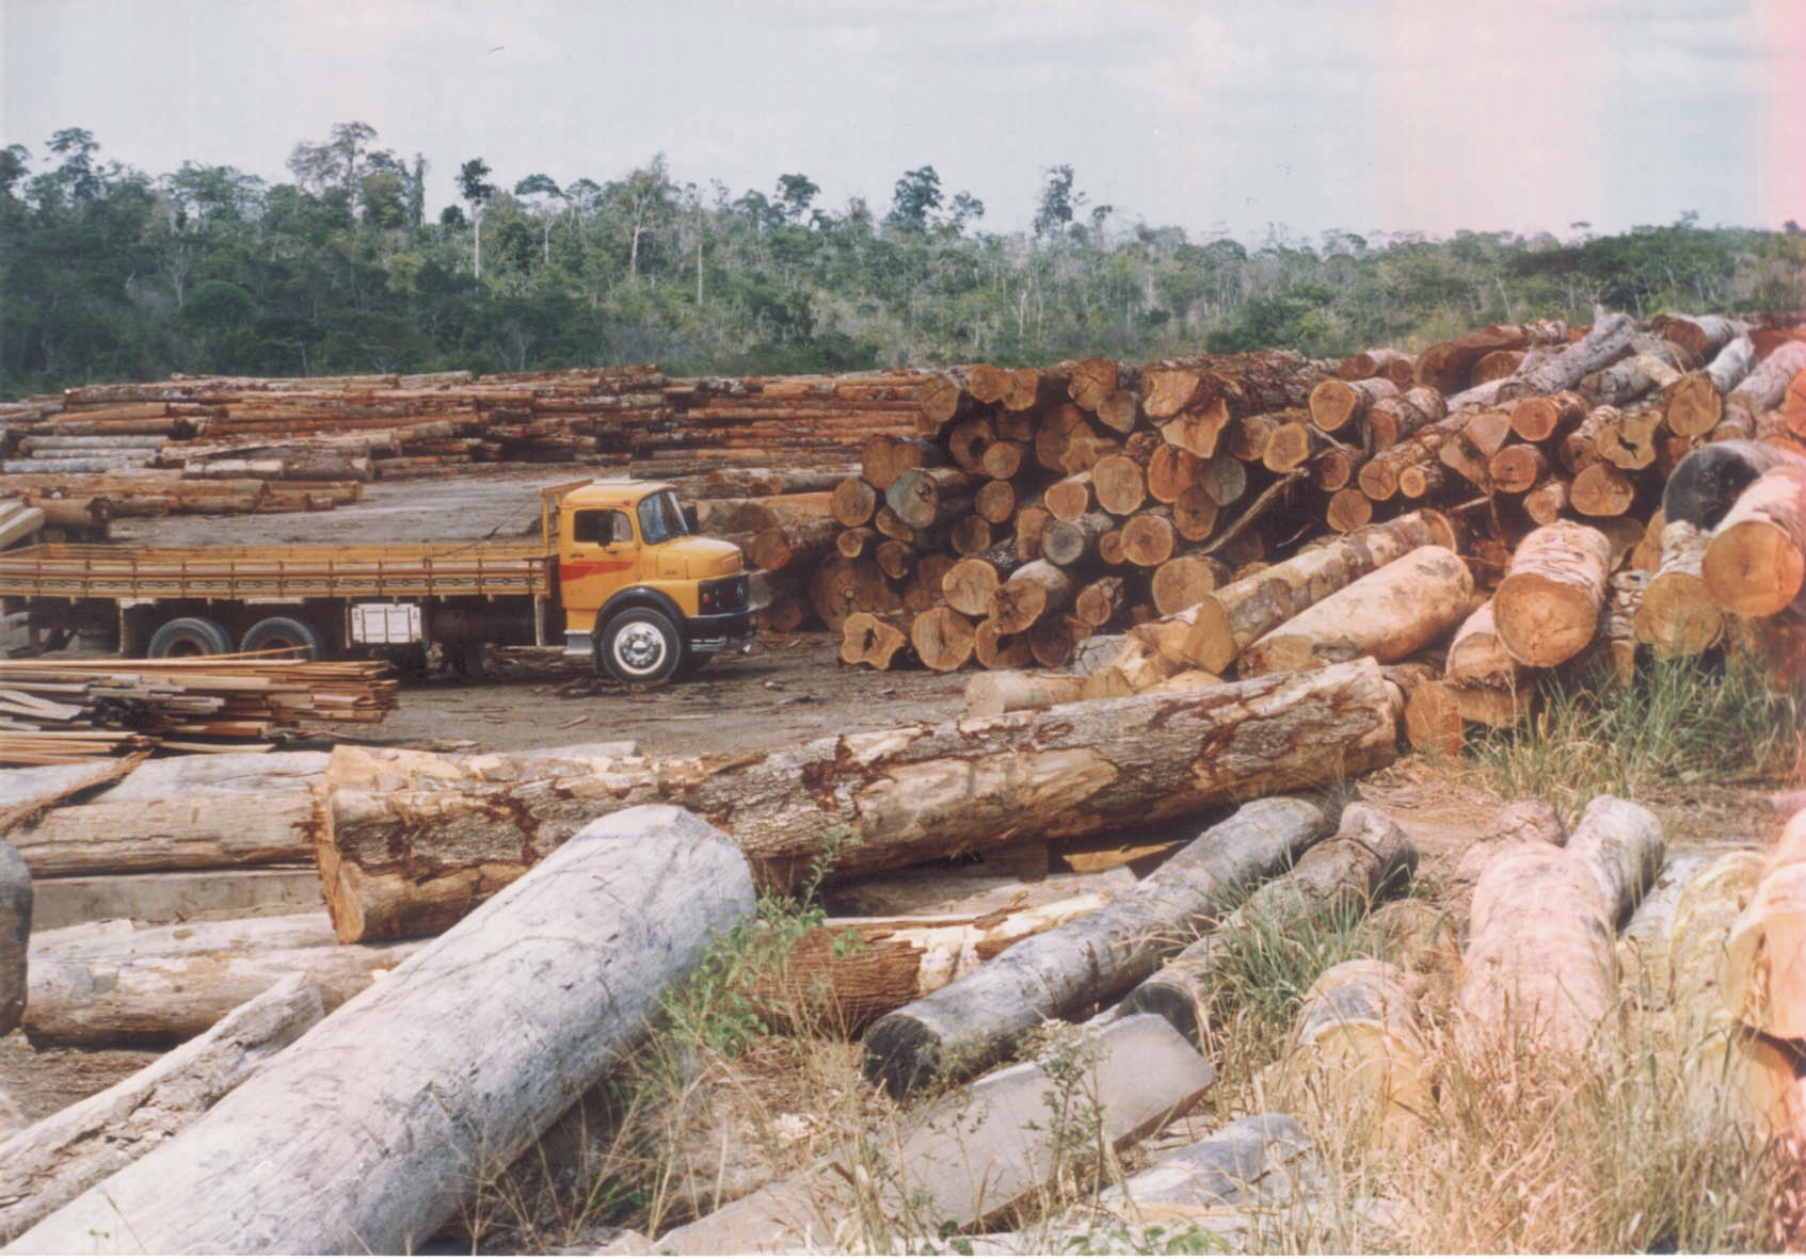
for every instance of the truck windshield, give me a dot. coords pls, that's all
(661, 518)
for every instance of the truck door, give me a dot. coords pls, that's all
(597, 556)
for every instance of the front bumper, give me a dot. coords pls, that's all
(718, 632)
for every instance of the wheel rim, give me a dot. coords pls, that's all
(639, 648)
(185, 647)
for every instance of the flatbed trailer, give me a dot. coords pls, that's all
(604, 551)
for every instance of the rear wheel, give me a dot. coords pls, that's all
(284, 633)
(641, 645)
(189, 636)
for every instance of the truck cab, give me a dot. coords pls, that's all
(642, 596)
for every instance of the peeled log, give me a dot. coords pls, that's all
(976, 1020)
(1540, 963)
(119, 984)
(379, 1161)
(1367, 858)
(1756, 560)
(1677, 616)
(1387, 614)
(401, 856)
(49, 1163)
(1547, 608)
(1231, 618)
(1765, 953)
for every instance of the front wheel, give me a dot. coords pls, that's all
(641, 645)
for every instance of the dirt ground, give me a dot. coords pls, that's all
(786, 689)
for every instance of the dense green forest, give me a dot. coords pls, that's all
(107, 273)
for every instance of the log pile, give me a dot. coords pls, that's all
(240, 444)
(1200, 503)
(72, 710)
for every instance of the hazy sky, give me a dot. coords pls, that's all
(1217, 115)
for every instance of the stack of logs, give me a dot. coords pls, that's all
(1034, 508)
(216, 445)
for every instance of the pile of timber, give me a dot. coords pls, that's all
(1200, 504)
(231, 444)
(53, 712)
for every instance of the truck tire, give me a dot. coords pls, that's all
(189, 636)
(284, 631)
(641, 645)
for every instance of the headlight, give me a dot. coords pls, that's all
(729, 594)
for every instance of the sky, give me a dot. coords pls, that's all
(1219, 116)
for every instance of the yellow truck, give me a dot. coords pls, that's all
(616, 577)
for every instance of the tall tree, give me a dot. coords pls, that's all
(473, 185)
(916, 195)
(545, 192)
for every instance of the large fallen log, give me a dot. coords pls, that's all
(1541, 961)
(1388, 614)
(186, 831)
(57, 1158)
(117, 983)
(1367, 858)
(540, 989)
(972, 1023)
(1765, 952)
(1233, 616)
(969, 1156)
(404, 855)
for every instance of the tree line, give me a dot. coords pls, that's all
(107, 273)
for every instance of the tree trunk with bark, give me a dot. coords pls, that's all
(401, 856)
(1367, 858)
(181, 833)
(974, 1022)
(381, 1161)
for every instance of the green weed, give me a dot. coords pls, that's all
(1679, 721)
